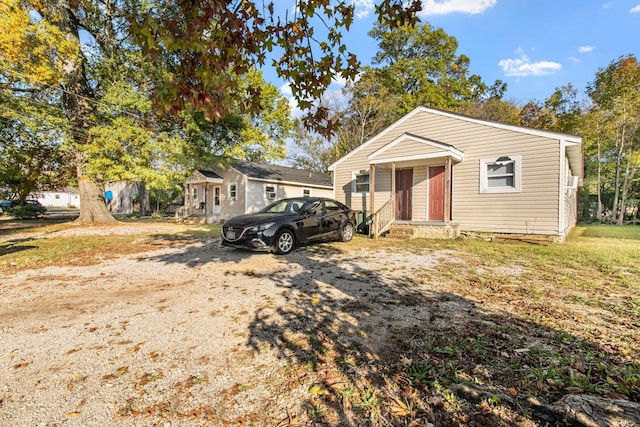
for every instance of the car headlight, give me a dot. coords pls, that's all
(262, 227)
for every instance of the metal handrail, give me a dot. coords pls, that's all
(384, 217)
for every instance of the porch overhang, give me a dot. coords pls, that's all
(412, 148)
(204, 177)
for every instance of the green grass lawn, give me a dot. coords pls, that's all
(609, 231)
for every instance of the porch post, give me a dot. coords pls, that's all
(393, 181)
(187, 199)
(447, 190)
(372, 192)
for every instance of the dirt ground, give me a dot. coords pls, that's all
(190, 334)
(194, 333)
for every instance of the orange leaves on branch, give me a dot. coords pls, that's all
(229, 38)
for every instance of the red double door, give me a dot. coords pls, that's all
(404, 184)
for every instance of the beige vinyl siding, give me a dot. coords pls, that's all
(408, 148)
(231, 208)
(257, 196)
(533, 210)
(290, 190)
(419, 194)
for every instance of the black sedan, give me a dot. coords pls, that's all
(288, 222)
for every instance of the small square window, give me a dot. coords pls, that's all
(306, 192)
(500, 175)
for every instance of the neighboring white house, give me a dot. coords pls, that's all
(67, 197)
(435, 168)
(243, 187)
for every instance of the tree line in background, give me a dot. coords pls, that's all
(99, 91)
(419, 66)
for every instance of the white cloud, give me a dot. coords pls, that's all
(574, 59)
(635, 9)
(523, 67)
(586, 49)
(286, 90)
(364, 8)
(445, 7)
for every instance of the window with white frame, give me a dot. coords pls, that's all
(270, 192)
(232, 191)
(501, 174)
(360, 181)
(306, 192)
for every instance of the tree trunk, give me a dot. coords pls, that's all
(599, 212)
(76, 101)
(623, 203)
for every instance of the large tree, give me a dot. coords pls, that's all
(31, 138)
(615, 93)
(203, 51)
(420, 66)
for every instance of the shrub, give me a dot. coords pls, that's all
(27, 211)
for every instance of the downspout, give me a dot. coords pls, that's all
(372, 192)
(561, 186)
(447, 189)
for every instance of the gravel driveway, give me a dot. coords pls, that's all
(194, 333)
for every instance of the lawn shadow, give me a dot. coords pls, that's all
(11, 247)
(380, 346)
(375, 343)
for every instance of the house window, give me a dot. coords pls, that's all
(360, 182)
(306, 192)
(216, 196)
(501, 174)
(232, 191)
(270, 192)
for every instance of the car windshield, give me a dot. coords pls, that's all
(284, 206)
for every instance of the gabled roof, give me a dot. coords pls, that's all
(204, 175)
(281, 174)
(572, 143)
(425, 149)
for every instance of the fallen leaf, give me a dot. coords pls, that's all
(399, 408)
(317, 390)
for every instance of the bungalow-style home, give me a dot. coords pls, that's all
(437, 173)
(218, 193)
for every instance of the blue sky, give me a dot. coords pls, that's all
(535, 46)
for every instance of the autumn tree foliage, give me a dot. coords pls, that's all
(193, 61)
(615, 113)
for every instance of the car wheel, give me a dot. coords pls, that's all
(285, 241)
(346, 232)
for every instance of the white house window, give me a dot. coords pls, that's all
(360, 182)
(306, 192)
(501, 174)
(270, 192)
(232, 191)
